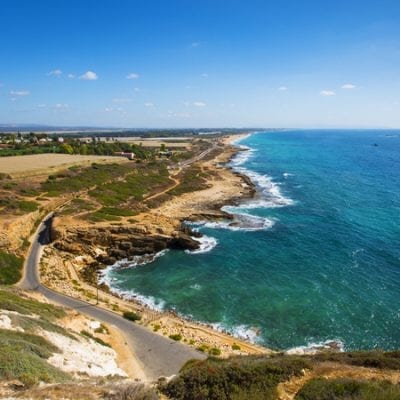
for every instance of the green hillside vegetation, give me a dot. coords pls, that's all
(257, 378)
(23, 355)
(10, 268)
(237, 378)
(348, 389)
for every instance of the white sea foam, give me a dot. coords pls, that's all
(149, 301)
(196, 286)
(313, 348)
(244, 332)
(287, 174)
(271, 195)
(242, 221)
(106, 274)
(207, 243)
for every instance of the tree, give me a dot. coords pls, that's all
(67, 148)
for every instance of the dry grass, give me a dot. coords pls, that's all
(36, 164)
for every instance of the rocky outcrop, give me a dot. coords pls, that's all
(117, 243)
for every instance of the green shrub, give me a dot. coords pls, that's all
(10, 268)
(348, 389)
(176, 336)
(237, 378)
(236, 347)
(214, 352)
(131, 316)
(203, 348)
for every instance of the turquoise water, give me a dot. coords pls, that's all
(320, 258)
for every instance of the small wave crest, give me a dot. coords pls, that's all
(106, 277)
(151, 302)
(313, 348)
(207, 243)
(241, 221)
(244, 332)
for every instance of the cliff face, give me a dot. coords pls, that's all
(120, 242)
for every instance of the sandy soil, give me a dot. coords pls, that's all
(39, 163)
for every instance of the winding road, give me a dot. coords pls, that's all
(158, 356)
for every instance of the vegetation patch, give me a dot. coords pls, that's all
(23, 356)
(95, 338)
(10, 205)
(348, 389)
(176, 336)
(237, 378)
(192, 179)
(370, 359)
(10, 268)
(131, 316)
(14, 301)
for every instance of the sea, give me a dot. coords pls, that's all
(313, 258)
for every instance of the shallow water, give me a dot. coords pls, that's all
(315, 256)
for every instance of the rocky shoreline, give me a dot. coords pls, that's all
(106, 245)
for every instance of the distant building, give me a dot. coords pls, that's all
(129, 156)
(60, 140)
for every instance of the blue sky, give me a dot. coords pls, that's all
(189, 63)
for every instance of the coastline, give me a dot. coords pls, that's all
(226, 187)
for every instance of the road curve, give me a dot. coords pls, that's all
(157, 355)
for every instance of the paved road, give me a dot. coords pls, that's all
(157, 355)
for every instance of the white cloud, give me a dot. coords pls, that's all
(56, 72)
(121, 100)
(132, 75)
(20, 93)
(42, 105)
(199, 104)
(282, 88)
(118, 109)
(348, 86)
(60, 106)
(71, 76)
(327, 93)
(89, 76)
(149, 104)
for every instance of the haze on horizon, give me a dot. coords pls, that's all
(201, 63)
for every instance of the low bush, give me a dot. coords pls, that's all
(131, 316)
(214, 352)
(176, 336)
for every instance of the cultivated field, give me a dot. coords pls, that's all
(40, 163)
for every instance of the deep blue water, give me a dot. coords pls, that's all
(323, 258)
